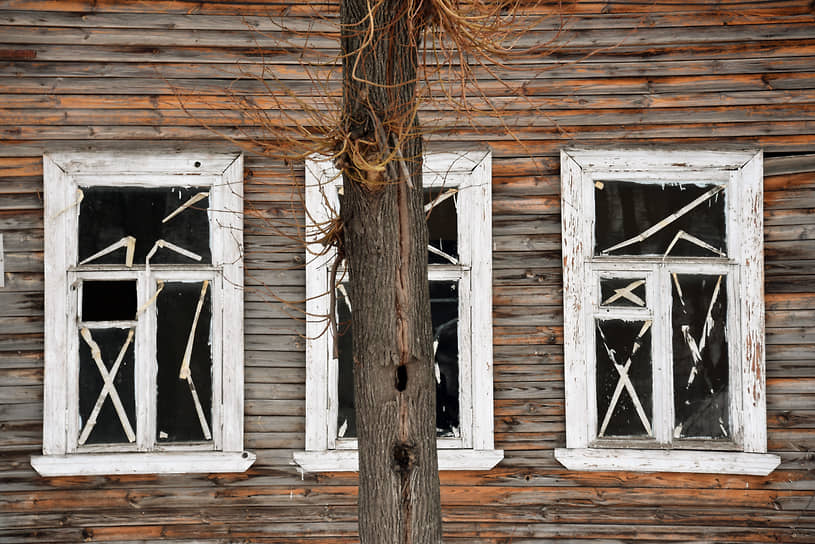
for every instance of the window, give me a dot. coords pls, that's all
(663, 311)
(144, 314)
(459, 201)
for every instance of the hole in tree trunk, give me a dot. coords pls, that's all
(401, 378)
(404, 457)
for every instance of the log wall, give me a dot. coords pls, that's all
(84, 73)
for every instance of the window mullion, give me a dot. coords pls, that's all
(663, 357)
(145, 362)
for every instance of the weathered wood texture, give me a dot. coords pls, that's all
(79, 73)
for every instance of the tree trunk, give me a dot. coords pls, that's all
(385, 243)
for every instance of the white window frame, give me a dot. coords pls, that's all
(470, 173)
(741, 172)
(65, 174)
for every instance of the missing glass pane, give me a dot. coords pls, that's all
(683, 220)
(700, 356)
(442, 217)
(184, 357)
(109, 217)
(108, 300)
(624, 378)
(628, 292)
(444, 311)
(106, 416)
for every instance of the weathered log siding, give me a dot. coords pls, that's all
(78, 73)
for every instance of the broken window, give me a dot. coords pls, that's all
(184, 361)
(107, 406)
(144, 347)
(141, 221)
(442, 221)
(624, 389)
(701, 372)
(662, 254)
(651, 218)
(457, 201)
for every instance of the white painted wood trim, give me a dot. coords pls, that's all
(574, 239)
(631, 160)
(633, 460)
(89, 464)
(751, 303)
(130, 162)
(478, 227)
(319, 174)
(347, 460)
(227, 211)
(59, 190)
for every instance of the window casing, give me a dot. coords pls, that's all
(663, 311)
(144, 313)
(461, 178)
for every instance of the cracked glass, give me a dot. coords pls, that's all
(624, 378)
(679, 220)
(184, 358)
(116, 220)
(700, 356)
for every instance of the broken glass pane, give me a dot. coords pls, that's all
(108, 300)
(622, 292)
(700, 356)
(444, 311)
(178, 215)
(624, 372)
(440, 207)
(106, 417)
(184, 358)
(685, 220)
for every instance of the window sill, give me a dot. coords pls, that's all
(90, 464)
(347, 461)
(712, 462)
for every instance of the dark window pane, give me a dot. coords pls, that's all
(183, 402)
(624, 210)
(346, 416)
(624, 348)
(106, 215)
(108, 300)
(442, 225)
(700, 358)
(109, 427)
(444, 310)
(622, 292)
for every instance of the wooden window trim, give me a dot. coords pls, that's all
(471, 172)
(65, 173)
(742, 172)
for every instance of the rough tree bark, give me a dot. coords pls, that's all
(385, 244)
